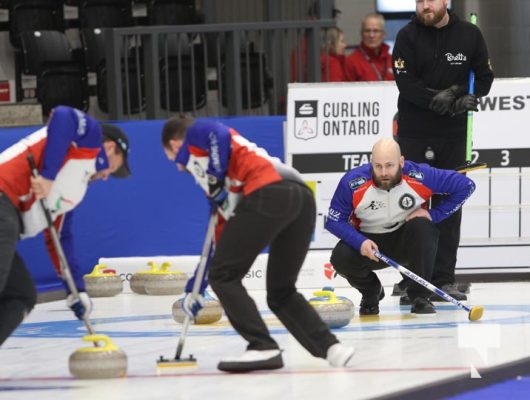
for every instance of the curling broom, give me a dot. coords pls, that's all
(164, 365)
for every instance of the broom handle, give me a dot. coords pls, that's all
(199, 276)
(471, 90)
(63, 263)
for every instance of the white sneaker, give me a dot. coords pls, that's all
(252, 360)
(339, 355)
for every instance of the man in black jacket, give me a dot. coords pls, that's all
(432, 59)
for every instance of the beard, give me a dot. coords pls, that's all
(431, 19)
(388, 182)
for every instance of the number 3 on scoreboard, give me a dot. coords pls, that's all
(505, 158)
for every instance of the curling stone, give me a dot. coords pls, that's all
(164, 282)
(211, 312)
(344, 299)
(335, 311)
(106, 361)
(137, 281)
(102, 282)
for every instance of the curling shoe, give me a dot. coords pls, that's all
(422, 307)
(370, 302)
(252, 360)
(339, 355)
(404, 300)
(463, 287)
(400, 288)
(452, 290)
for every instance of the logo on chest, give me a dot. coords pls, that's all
(375, 205)
(406, 202)
(197, 169)
(457, 59)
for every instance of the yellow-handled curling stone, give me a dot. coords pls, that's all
(335, 311)
(103, 282)
(137, 282)
(103, 361)
(165, 282)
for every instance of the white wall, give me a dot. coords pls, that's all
(352, 12)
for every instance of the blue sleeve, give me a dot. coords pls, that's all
(66, 126)
(183, 154)
(67, 242)
(204, 281)
(455, 186)
(63, 225)
(215, 138)
(340, 212)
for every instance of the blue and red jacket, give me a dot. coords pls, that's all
(68, 151)
(213, 149)
(358, 205)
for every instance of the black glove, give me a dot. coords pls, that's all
(468, 102)
(216, 190)
(442, 102)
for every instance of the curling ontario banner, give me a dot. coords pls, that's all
(331, 128)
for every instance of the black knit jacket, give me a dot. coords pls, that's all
(426, 59)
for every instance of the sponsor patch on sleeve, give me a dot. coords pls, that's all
(333, 215)
(416, 175)
(355, 183)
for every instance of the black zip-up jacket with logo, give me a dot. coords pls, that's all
(426, 58)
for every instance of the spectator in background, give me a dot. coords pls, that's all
(332, 58)
(299, 55)
(371, 61)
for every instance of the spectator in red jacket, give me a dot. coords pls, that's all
(371, 61)
(299, 56)
(332, 58)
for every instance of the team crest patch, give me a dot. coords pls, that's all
(355, 183)
(406, 202)
(399, 63)
(198, 170)
(416, 175)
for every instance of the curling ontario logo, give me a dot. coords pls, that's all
(305, 119)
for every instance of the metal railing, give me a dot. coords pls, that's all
(209, 70)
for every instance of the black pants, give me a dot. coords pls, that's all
(281, 215)
(413, 246)
(449, 154)
(17, 290)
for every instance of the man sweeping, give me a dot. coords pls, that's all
(70, 152)
(261, 202)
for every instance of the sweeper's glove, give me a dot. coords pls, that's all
(444, 100)
(191, 281)
(468, 102)
(191, 306)
(82, 307)
(216, 190)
